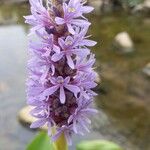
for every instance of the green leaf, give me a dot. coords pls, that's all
(41, 142)
(98, 145)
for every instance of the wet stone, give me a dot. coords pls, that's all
(123, 43)
(146, 70)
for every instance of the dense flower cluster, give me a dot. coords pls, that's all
(61, 77)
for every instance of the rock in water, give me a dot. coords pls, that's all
(98, 79)
(25, 117)
(147, 6)
(123, 43)
(98, 145)
(143, 8)
(146, 70)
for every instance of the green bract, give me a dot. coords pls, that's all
(98, 145)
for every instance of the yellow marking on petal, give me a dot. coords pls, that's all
(69, 42)
(60, 81)
(71, 9)
(45, 37)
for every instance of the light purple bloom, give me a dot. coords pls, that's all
(72, 13)
(61, 83)
(86, 82)
(46, 46)
(72, 46)
(35, 88)
(80, 118)
(85, 65)
(44, 64)
(69, 48)
(40, 17)
(61, 75)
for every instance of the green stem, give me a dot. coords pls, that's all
(61, 143)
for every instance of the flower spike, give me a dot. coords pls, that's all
(60, 68)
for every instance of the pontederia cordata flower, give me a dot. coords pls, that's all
(61, 75)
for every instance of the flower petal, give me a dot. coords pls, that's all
(70, 29)
(75, 126)
(56, 49)
(87, 9)
(38, 123)
(86, 42)
(83, 52)
(59, 20)
(68, 138)
(90, 111)
(50, 90)
(73, 89)
(70, 61)
(57, 56)
(67, 79)
(56, 136)
(62, 95)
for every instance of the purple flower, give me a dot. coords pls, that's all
(72, 12)
(69, 49)
(85, 65)
(40, 17)
(35, 88)
(80, 37)
(61, 83)
(86, 82)
(44, 64)
(71, 46)
(80, 118)
(61, 77)
(45, 46)
(43, 118)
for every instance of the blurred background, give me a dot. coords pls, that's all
(122, 30)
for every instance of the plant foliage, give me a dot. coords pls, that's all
(41, 142)
(98, 145)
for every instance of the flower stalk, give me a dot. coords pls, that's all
(61, 143)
